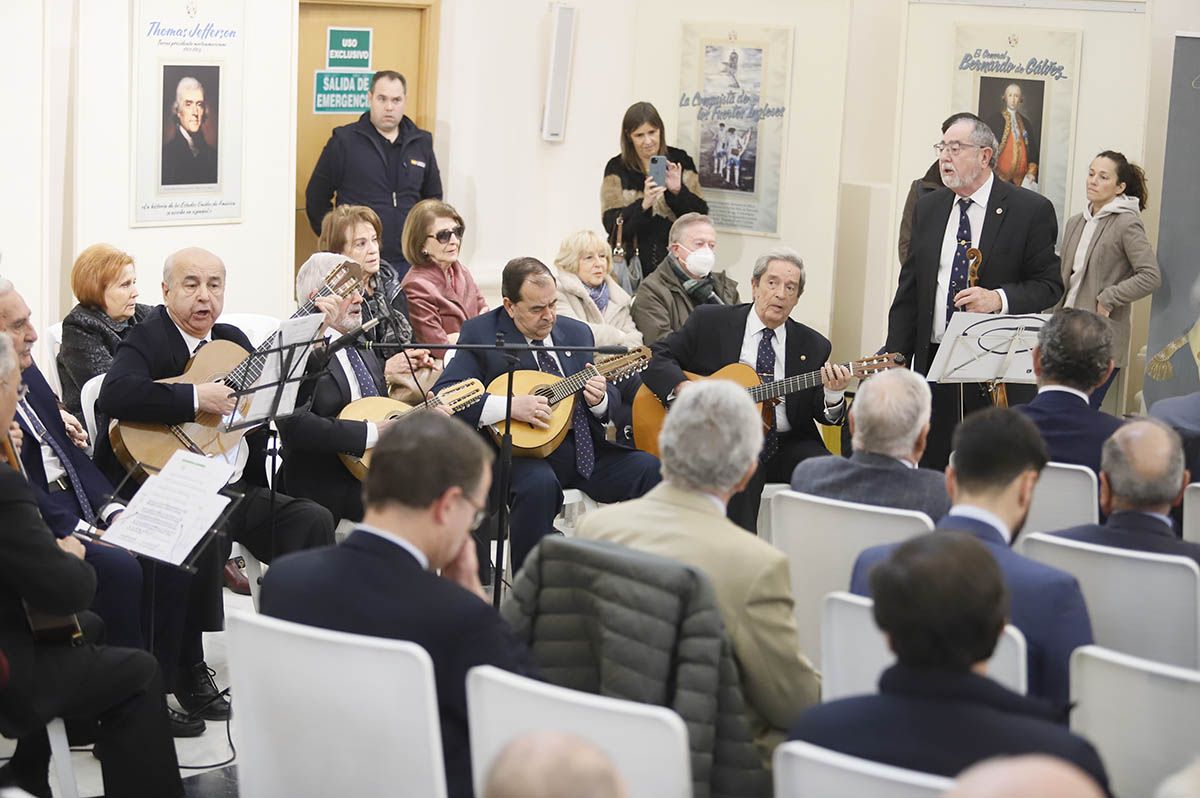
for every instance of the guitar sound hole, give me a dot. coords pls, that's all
(544, 390)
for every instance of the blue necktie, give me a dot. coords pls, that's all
(39, 431)
(765, 366)
(585, 449)
(958, 267)
(366, 383)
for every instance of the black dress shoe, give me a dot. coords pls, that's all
(197, 693)
(37, 787)
(181, 726)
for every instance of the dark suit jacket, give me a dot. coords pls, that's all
(181, 167)
(874, 479)
(312, 439)
(711, 339)
(942, 722)
(1017, 241)
(1134, 531)
(1047, 606)
(370, 586)
(1073, 431)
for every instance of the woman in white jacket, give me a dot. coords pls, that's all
(588, 293)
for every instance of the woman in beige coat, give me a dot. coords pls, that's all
(1107, 260)
(588, 293)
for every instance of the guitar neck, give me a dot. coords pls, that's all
(249, 370)
(798, 382)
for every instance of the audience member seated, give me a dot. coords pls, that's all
(587, 291)
(553, 765)
(889, 422)
(441, 291)
(1025, 776)
(426, 490)
(1073, 356)
(683, 280)
(710, 444)
(1142, 476)
(998, 456)
(104, 280)
(942, 603)
(118, 687)
(584, 460)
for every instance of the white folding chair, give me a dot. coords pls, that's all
(764, 508)
(576, 504)
(1140, 715)
(87, 397)
(854, 652)
(647, 744)
(54, 334)
(803, 770)
(1065, 495)
(60, 752)
(1143, 604)
(822, 538)
(323, 713)
(1191, 513)
(257, 326)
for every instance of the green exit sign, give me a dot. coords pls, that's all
(349, 48)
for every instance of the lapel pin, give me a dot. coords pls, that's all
(568, 354)
(804, 357)
(999, 211)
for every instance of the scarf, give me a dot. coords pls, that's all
(702, 291)
(599, 294)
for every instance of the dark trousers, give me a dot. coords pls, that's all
(537, 485)
(743, 507)
(118, 599)
(299, 523)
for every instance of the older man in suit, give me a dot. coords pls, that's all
(1142, 476)
(710, 444)
(760, 335)
(1014, 228)
(889, 421)
(1072, 358)
(998, 456)
(408, 571)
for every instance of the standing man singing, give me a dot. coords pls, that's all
(383, 161)
(1014, 228)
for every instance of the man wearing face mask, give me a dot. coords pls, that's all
(684, 280)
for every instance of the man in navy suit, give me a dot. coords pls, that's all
(942, 603)
(426, 491)
(606, 472)
(1142, 476)
(1072, 358)
(998, 456)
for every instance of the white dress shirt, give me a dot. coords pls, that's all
(493, 406)
(976, 214)
(417, 554)
(980, 514)
(1086, 399)
(342, 356)
(749, 355)
(237, 458)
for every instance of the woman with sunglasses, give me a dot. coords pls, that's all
(441, 292)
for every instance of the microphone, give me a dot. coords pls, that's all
(611, 350)
(349, 338)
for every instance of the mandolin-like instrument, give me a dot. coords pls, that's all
(996, 388)
(152, 444)
(562, 393)
(649, 413)
(455, 397)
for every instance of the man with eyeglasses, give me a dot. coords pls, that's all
(409, 572)
(1014, 228)
(383, 161)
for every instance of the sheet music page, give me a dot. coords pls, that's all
(173, 509)
(292, 331)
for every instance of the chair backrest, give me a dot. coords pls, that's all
(1143, 604)
(1140, 715)
(1065, 495)
(87, 397)
(822, 538)
(764, 508)
(647, 744)
(803, 770)
(1191, 513)
(256, 326)
(854, 652)
(54, 335)
(325, 713)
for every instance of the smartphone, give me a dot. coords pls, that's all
(658, 169)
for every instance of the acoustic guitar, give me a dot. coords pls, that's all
(152, 444)
(649, 413)
(561, 392)
(456, 397)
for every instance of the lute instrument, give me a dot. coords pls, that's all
(996, 389)
(455, 397)
(649, 413)
(138, 444)
(561, 393)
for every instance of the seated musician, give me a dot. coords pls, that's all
(161, 347)
(312, 439)
(761, 336)
(584, 460)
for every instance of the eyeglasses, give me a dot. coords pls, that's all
(955, 147)
(443, 236)
(481, 513)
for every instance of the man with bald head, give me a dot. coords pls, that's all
(1028, 776)
(160, 347)
(553, 765)
(1142, 476)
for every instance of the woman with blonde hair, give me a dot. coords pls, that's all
(587, 291)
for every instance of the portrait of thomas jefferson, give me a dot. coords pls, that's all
(188, 158)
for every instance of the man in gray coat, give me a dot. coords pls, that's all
(889, 420)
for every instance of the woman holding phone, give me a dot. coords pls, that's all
(641, 199)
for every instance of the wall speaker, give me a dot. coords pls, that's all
(558, 80)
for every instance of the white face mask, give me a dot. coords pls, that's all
(700, 262)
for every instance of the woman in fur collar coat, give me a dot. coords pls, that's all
(587, 291)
